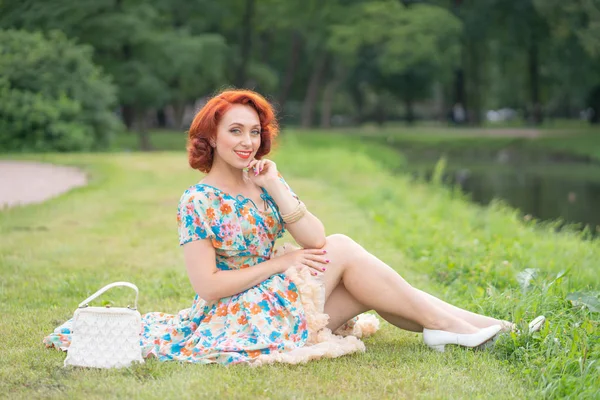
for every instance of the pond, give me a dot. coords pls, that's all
(541, 187)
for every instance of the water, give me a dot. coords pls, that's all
(544, 190)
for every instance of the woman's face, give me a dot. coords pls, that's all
(238, 136)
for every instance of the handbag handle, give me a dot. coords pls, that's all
(109, 286)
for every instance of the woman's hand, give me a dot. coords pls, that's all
(262, 171)
(312, 258)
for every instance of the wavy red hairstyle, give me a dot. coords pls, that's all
(204, 126)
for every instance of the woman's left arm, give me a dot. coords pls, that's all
(308, 231)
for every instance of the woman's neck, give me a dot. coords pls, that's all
(226, 176)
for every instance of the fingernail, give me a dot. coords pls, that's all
(324, 269)
(326, 261)
(324, 251)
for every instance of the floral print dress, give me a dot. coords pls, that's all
(279, 320)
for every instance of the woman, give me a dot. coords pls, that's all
(258, 305)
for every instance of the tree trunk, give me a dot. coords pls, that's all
(534, 82)
(474, 65)
(246, 44)
(410, 112)
(594, 105)
(128, 116)
(266, 39)
(293, 58)
(161, 118)
(339, 75)
(178, 112)
(359, 102)
(142, 130)
(312, 92)
(380, 115)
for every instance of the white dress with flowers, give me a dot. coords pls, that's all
(279, 320)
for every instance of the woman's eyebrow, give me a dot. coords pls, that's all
(240, 124)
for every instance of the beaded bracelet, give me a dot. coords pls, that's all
(295, 215)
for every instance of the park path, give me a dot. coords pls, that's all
(27, 182)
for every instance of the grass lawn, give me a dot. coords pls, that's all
(122, 227)
(576, 141)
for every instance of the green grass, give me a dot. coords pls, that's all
(577, 143)
(122, 227)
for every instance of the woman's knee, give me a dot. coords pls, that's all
(342, 244)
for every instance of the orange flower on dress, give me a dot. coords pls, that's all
(270, 222)
(186, 352)
(276, 313)
(208, 318)
(222, 310)
(235, 309)
(225, 209)
(228, 242)
(290, 294)
(254, 353)
(252, 220)
(242, 320)
(210, 212)
(245, 266)
(255, 309)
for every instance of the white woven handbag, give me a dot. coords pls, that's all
(105, 337)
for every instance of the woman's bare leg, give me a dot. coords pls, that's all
(478, 320)
(375, 285)
(341, 306)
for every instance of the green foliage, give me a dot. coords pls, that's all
(404, 37)
(52, 97)
(149, 48)
(580, 18)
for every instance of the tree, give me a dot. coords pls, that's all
(150, 59)
(402, 50)
(52, 97)
(575, 28)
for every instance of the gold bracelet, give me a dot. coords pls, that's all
(295, 215)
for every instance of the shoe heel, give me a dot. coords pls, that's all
(438, 347)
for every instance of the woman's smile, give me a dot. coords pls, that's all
(243, 154)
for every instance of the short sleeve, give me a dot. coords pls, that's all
(192, 219)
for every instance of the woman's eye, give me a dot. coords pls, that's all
(235, 131)
(256, 133)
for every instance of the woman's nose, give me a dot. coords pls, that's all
(246, 141)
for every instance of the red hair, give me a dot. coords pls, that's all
(204, 125)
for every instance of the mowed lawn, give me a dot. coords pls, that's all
(122, 226)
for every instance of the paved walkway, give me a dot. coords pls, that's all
(26, 182)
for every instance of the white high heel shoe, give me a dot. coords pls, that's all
(534, 326)
(537, 324)
(437, 339)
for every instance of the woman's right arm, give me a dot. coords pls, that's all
(211, 283)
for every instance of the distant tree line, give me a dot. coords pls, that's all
(321, 62)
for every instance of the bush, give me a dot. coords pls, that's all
(52, 96)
